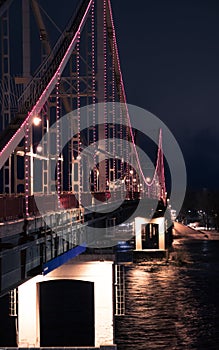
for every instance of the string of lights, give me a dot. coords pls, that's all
(105, 89)
(26, 165)
(58, 164)
(78, 112)
(123, 100)
(93, 89)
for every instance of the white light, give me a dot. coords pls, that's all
(39, 148)
(131, 172)
(36, 121)
(148, 179)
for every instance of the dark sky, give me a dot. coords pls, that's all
(170, 60)
(169, 52)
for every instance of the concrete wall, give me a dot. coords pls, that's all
(98, 272)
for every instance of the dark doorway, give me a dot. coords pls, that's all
(7, 324)
(150, 236)
(66, 313)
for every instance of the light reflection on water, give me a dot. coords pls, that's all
(171, 306)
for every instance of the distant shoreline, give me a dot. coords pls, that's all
(182, 231)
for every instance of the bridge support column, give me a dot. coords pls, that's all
(100, 273)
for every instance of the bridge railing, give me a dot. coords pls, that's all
(12, 207)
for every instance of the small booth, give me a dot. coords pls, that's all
(149, 238)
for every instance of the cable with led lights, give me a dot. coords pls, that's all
(123, 100)
(105, 91)
(26, 167)
(58, 139)
(93, 91)
(79, 115)
(115, 167)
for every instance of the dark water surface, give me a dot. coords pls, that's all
(173, 306)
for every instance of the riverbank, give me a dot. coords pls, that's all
(185, 232)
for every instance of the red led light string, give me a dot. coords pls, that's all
(93, 88)
(26, 167)
(149, 184)
(58, 167)
(123, 178)
(163, 186)
(39, 103)
(105, 89)
(127, 154)
(113, 111)
(78, 109)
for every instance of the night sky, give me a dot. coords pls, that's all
(169, 54)
(170, 60)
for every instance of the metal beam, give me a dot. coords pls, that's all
(13, 136)
(4, 5)
(41, 26)
(26, 39)
(44, 37)
(101, 98)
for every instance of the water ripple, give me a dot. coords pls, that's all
(173, 307)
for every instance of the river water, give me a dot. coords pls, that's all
(173, 305)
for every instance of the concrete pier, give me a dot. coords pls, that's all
(97, 273)
(149, 239)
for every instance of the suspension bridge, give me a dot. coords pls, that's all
(68, 151)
